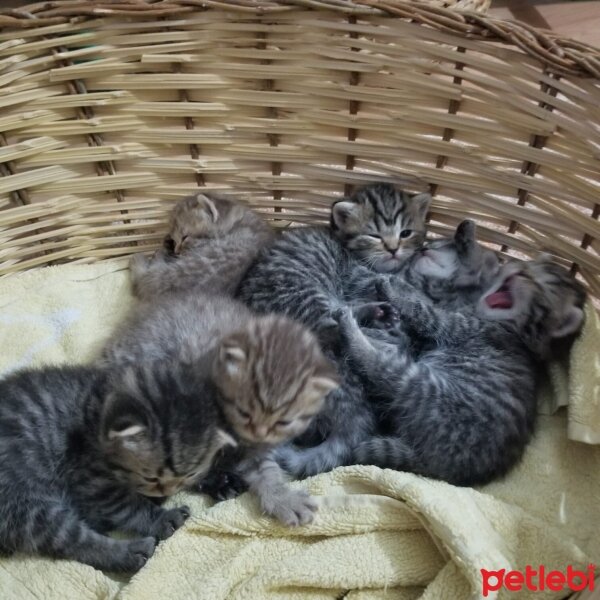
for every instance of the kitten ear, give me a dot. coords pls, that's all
(126, 429)
(465, 233)
(127, 432)
(422, 203)
(344, 214)
(231, 358)
(464, 237)
(225, 439)
(571, 323)
(209, 206)
(321, 385)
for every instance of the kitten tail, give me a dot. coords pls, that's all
(386, 452)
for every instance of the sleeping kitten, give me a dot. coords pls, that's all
(304, 275)
(463, 408)
(211, 243)
(82, 451)
(267, 374)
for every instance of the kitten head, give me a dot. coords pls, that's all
(540, 298)
(458, 259)
(202, 216)
(155, 432)
(273, 378)
(382, 225)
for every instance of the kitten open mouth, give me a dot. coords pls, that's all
(502, 298)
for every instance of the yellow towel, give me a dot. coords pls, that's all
(379, 533)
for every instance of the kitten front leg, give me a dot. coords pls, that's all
(52, 528)
(397, 291)
(138, 514)
(375, 360)
(359, 348)
(266, 479)
(439, 326)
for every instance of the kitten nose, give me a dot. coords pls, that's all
(391, 246)
(260, 431)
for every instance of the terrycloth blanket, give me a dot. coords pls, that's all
(379, 534)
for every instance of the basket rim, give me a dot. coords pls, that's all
(559, 54)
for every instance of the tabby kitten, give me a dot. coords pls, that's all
(463, 408)
(304, 275)
(267, 374)
(211, 243)
(453, 272)
(83, 450)
(450, 272)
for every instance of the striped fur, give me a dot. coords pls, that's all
(463, 408)
(307, 274)
(267, 374)
(81, 451)
(211, 243)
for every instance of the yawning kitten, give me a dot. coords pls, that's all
(463, 407)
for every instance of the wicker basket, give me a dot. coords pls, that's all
(110, 111)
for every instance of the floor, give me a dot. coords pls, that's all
(578, 20)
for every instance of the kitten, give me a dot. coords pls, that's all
(451, 272)
(304, 272)
(304, 275)
(267, 374)
(463, 408)
(211, 243)
(83, 452)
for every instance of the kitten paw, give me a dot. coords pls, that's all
(138, 553)
(222, 485)
(385, 291)
(342, 314)
(170, 521)
(291, 507)
(375, 314)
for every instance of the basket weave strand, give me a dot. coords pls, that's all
(110, 111)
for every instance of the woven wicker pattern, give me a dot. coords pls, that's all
(106, 120)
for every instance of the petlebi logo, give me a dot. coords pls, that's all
(538, 579)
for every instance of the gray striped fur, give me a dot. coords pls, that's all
(462, 408)
(81, 451)
(307, 274)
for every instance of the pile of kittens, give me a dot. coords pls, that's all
(248, 354)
